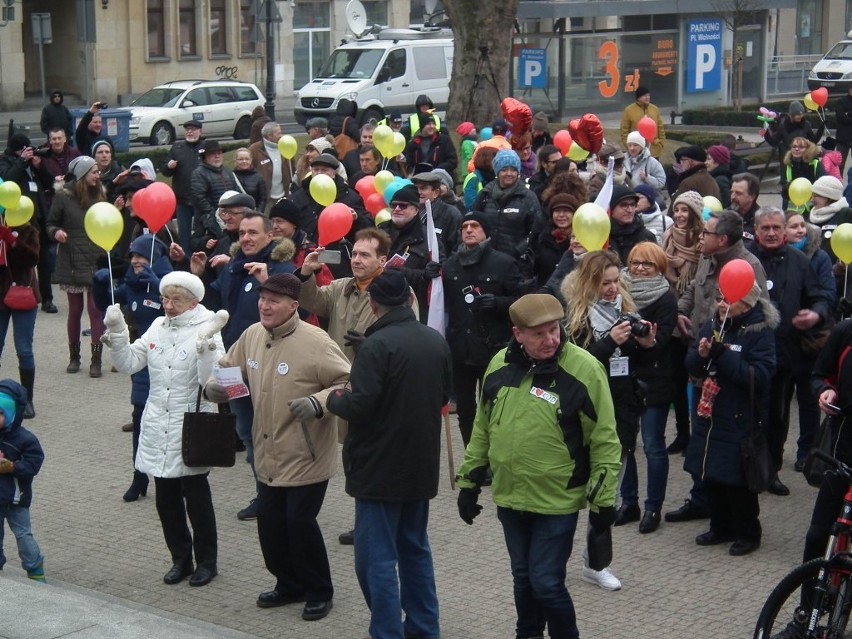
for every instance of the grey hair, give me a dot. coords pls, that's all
(268, 128)
(368, 126)
(767, 211)
(730, 224)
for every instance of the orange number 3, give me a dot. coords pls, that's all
(609, 52)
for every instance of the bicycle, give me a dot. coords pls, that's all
(814, 601)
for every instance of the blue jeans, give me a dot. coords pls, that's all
(539, 547)
(184, 216)
(23, 327)
(391, 536)
(19, 522)
(653, 428)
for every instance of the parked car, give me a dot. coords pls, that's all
(224, 106)
(834, 70)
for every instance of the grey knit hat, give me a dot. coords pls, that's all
(693, 200)
(80, 166)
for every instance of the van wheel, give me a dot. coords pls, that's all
(372, 114)
(243, 130)
(162, 134)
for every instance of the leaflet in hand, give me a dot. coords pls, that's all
(397, 261)
(232, 380)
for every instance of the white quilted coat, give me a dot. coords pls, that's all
(168, 350)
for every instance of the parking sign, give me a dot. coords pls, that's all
(532, 68)
(704, 56)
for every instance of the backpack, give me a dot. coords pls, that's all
(342, 142)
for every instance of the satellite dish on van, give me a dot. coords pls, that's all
(356, 17)
(430, 5)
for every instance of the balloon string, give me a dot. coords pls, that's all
(171, 239)
(846, 281)
(151, 263)
(111, 283)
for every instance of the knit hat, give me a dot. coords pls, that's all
(142, 245)
(8, 408)
(408, 194)
(283, 284)
(426, 118)
(284, 209)
(640, 91)
(829, 144)
(634, 137)
(499, 127)
(797, 108)
(320, 144)
(829, 187)
(390, 288)
(535, 309)
(719, 153)
(648, 191)
(481, 218)
(446, 178)
(190, 282)
(610, 150)
(506, 158)
(99, 143)
(619, 193)
(753, 295)
(691, 152)
(81, 165)
(465, 128)
(693, 200)
(540, 121)
(18, 142)
(563, 200)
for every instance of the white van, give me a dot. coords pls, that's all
(382, 73)
(834, 70)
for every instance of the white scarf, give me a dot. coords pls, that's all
(603, 315)
(825, 213)
(276, 187)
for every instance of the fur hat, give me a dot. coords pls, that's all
(797, 108)
(190, 282)
(720, 154)
(540, 121)
(829, 187)
(81, 165)
(535, 309)
(640, 91)
(390, 288)
(634, 137)
(465, 128)
(648, 191)
(283, 284)
(506, 158)
(692, 153)
(481, 218)
(693, 200)
(286, 210)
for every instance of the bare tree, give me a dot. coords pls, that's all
(482, 31)
(736, 14)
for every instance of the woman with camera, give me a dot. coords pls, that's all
(601, 318)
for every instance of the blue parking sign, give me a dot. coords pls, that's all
(704, 56)
(532, 68)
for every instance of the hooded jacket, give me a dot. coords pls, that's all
(513, 217)
(655, 174)
(21, 447)
(56, 116)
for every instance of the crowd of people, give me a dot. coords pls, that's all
(556, 356)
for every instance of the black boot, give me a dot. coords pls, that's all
(74, 361)
(95, 366)
(28, 381)
(138, 487)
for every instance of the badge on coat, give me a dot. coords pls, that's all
(247, 287)
(182, 354)
(549, 397)
(283, 369)
(769, 285)
(252, 364)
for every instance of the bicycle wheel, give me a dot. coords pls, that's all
(790, 605)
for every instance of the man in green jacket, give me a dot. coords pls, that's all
(546, 427)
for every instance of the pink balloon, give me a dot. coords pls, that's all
(334, 223)
(562, 140)
(647, 128)
(820, 96)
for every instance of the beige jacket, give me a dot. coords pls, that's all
(293, 360)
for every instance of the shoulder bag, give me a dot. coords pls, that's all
(20, 298)
(208, 438)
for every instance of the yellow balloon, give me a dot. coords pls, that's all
(10, 194)
(287, 147)
(809, 103)
(799, 191)
(104, 225)
(382, 136)
(591, 226)
(841, 242)
(712, 204)
(323, 190)
(577, 153)
(395, 146)
(382, 180)
(383, 216)
(22, 213)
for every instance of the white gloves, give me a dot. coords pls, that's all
(114, 319)
(209, 330)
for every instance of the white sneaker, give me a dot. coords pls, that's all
(603, 578)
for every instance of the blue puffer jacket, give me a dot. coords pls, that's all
(21, 447)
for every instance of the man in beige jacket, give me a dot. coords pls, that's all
(290, 367)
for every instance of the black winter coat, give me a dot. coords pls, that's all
(546, 255)
(14, 169)
(513, 219)
(187, 158)
(392, 451)
(84, 139)
(345, 108)
(56, 116)
(843, 109)
(475, 335)
(253, 185)
(447, 221)
(411, 239)
(554, 283)
(623, 237)
(655, 371)
(208, 185)
(833, 370)
(749, 344)
(441, 153)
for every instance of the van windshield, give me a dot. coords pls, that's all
(840, 51)
(351, 63)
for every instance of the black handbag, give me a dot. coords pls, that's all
(754, 451)
(815, 468)
(208, 438)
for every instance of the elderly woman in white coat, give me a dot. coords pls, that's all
(180, 351)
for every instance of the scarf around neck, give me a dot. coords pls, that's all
(276, 186)
(646, 290)
(603, 315)
(683, 258)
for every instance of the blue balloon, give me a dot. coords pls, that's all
(706, 214)
(486, 133)
(393, 187)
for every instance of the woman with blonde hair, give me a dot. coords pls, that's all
(802, 160)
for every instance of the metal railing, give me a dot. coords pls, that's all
(788, 74)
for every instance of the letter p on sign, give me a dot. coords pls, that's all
(705, 63)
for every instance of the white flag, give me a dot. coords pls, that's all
(436, 287)
(605, 194)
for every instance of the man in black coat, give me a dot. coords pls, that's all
(430, 147)
(843, 109)
(480, 285)
(210, 180)
(802, 304)
(56, 115)
(90, 129)
(182, 160)
(626, 228)
(445, 217)
(391, 457)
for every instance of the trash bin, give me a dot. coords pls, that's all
(116, 127)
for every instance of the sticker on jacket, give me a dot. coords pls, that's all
(543, 394)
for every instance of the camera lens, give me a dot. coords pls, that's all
(639, 329)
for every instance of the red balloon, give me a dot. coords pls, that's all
(157, 206)
(562, 140)
(366, 186)
(647, 128)
(517, 114)
(577, 133)
(140, 203)
(593, 129)
(374, 203)
(820, 96)
(334, 223)
(735, 280)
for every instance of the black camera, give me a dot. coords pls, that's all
(42, 153)
(103, 105)
(637, 327)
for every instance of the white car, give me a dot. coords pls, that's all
(224, 107)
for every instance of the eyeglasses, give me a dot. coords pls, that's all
(645, 265)
(399, 205)
(703, 232)
(174, 301)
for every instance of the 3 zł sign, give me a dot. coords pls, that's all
(609, 88)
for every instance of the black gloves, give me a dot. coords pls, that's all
(602, 519)
(468, 506)
(432, 270)
(485, 302)
(354, 339)
(716, 349)
(147, 276)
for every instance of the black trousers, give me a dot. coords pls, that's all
(779, 415)
(45, 267)
(734, 510)
(188, 496)
(681, 379)
(465, 379)
(291, 540)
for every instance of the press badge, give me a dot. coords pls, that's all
(619, 366)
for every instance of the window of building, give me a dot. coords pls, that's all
(249, 28)
(311, 40)
(156, 29)
(186, 17)
(377, 12)
(218, 28)
(809, 27)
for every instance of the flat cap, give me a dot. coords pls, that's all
(326, 159)
(237, 199)
(535, 309)
(283, 284)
